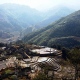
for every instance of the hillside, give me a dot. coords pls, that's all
(24, 15)
(19, 20)
(49, 16)
(15, 18)
(54, 14)
(25, 19)
(8, 23)
(62, 32)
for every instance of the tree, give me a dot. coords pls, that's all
(40, 76)
(14, 77)
(74, 57)
(2, 44)
(64, 53)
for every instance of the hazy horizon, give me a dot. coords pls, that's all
(43, 5)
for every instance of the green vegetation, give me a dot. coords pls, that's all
(74, 57)
(8, 71)
(40, 76)
(63, 35)
(64, 32)
(69, 63)
(14, 77)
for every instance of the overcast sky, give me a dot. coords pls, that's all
(45, 4)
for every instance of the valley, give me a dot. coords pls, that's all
(24, 20)
(39, 45)
(61, 32)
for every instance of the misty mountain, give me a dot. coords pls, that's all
(8, 23)
(63, 10)
(19, 20)
(48, 17)
(25, 15)
(54, 14)
(15, 18)
(64, 32)
(4, 35)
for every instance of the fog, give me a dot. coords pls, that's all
(43, 5)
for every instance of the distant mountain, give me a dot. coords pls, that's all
(28, 18)
(19, 20)
(5, 35)
(53, 15)
(57, 10)
(64, 32)
(25, 15)
(8, 23)
(48, 17)
(15, 18)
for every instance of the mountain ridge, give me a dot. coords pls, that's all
(65, 27)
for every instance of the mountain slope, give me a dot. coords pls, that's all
(53, 15)
(15, 18)
(8, 26)
(7, 22)
(63, 32)
(25, 15)
(30, 19)
(48, 17)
